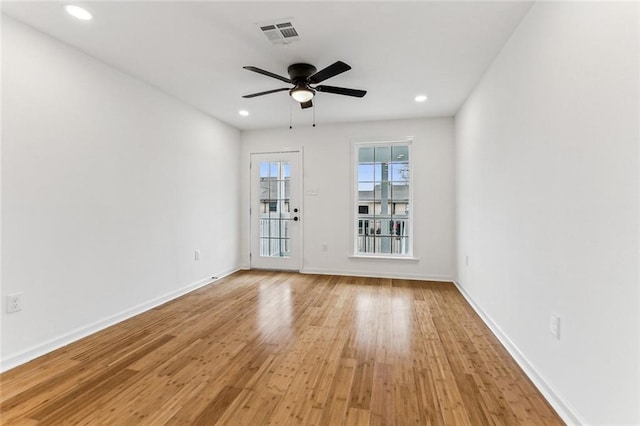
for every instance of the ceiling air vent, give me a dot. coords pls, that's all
(280, 32)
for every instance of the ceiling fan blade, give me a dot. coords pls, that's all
(267, 73)
(328, 72)
(253, 95)
(341, 91)
(304, 105)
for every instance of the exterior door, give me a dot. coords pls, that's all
(275, 211)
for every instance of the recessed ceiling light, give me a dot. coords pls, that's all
(78, 12)
(243, 112)
(420, 98)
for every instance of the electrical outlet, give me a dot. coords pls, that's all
(196, 255)
(325, 247)
(554, 325)
(14, 303)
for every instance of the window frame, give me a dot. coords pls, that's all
(355, 147)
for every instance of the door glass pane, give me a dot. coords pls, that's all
(284, 229)
(285, 247)
(275, 247)
(264, 247)
(273, 169)
(274, 214)
(264, 170)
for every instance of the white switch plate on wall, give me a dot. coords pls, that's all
(14, 302)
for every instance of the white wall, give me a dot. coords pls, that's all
(328, 216)
(108, 187)
(547, 197)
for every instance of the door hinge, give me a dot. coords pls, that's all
(249, 210)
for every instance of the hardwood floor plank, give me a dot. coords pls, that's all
(60, 409)
(281, 348)
(217, 407)
(427, 397)
(336, 408)
(250, 408)
(191, 408)
(21, 379)
(357, 417)
(382, 395)
(91, 389)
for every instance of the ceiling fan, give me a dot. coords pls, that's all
(302, 76)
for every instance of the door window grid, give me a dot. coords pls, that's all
(275, 190)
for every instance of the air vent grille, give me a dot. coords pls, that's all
(280, 31)
(288, 32)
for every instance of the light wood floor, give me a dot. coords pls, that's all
(282, 348)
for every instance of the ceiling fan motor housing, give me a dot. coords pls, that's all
(299, 73)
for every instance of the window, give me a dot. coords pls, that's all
(275, 188)
(383, 199)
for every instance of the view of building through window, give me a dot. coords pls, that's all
(383, 199)
(275, 186)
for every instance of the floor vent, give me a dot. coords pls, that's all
(280, 32)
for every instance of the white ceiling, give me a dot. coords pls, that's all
(195, 51)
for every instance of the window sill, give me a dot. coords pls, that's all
(377, 257)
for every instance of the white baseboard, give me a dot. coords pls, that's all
(401, 276)
(36, 351)
(568, 414)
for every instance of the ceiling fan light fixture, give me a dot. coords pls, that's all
(302, 76)
(302, 94)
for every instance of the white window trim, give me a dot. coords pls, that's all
(355, 145)
(385, 256)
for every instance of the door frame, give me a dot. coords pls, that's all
(300, 153)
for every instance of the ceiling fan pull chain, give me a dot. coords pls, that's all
(290, 119)
(314, 114)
